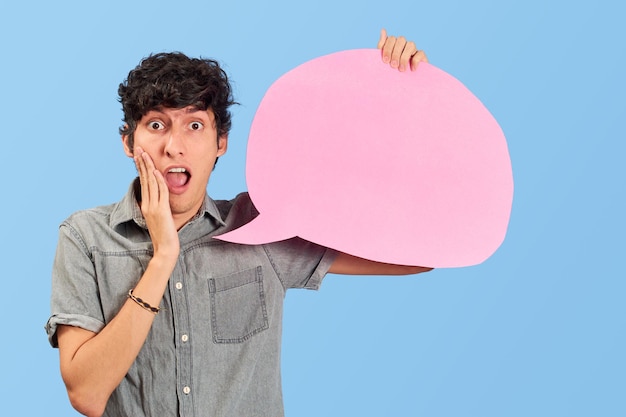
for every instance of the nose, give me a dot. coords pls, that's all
(175, 144)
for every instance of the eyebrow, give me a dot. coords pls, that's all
(188, 109)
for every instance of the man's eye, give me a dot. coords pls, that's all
(156, 125)
(195, 125)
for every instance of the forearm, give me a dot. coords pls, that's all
(352, 265)
(93, 365)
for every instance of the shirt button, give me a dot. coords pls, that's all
(179, 285)
(184, 338)
(186, 390)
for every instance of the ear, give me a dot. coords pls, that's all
(222, 145)
(127, 149)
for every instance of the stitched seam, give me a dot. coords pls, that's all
(269, 257)
(79, 239)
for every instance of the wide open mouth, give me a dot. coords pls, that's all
(177, 177)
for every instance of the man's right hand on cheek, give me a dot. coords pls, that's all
(155, 207)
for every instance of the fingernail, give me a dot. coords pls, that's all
(394, 64)
(386, 59)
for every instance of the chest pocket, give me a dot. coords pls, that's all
(238, 309)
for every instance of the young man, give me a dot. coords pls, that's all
(151, 315)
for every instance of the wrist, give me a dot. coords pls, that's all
(164, 260)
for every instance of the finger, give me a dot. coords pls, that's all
(151, 181)
(383, 38)
(420, 56)
(141, 169)
(157, 186)
(407, 53)
(388, 48)
(396, 53)
(164, 192)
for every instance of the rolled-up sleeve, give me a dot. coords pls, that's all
(300, 263)
(75, 296)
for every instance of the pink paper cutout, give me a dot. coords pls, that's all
(406, 168)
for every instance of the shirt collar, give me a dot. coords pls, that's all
(128, 208)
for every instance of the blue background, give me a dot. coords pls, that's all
(536, 330)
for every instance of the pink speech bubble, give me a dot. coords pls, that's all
(405, 168)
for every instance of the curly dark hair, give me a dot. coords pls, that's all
(173, 80)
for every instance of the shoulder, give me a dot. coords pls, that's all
(90, 216)
(86, 225)
(238, 211)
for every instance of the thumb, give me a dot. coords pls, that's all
(383, 38)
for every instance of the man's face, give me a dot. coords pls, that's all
(183, 144)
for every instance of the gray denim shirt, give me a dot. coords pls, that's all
(214, 348)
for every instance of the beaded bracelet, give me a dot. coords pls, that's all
(142, 303)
